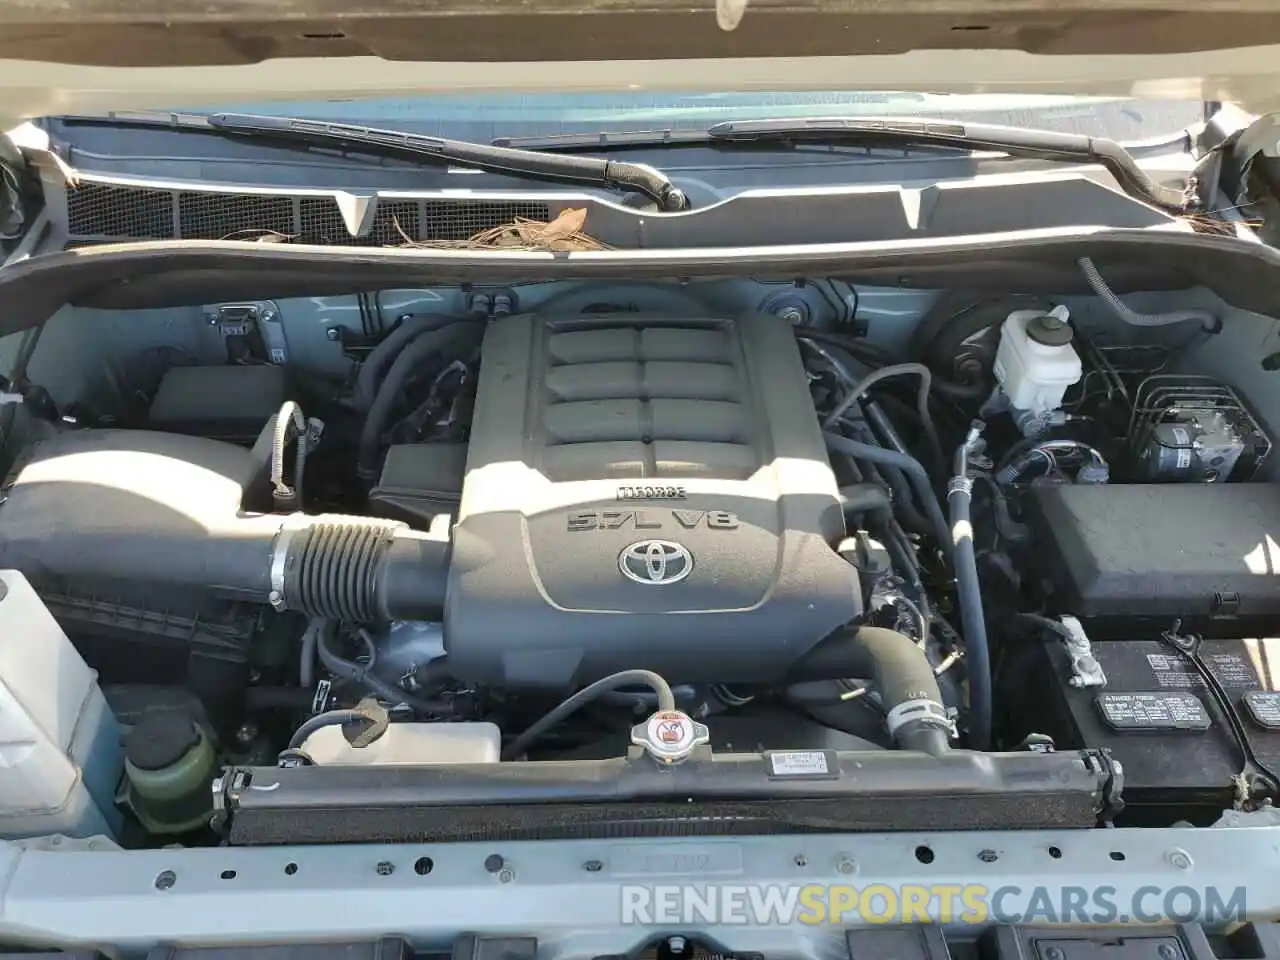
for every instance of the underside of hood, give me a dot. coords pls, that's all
(81, 55)
(198, 33)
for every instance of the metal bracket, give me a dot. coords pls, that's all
(243, 319)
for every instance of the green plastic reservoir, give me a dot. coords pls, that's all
(170, 763)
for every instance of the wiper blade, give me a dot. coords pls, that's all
(885, 131)
(1014, 141)
(634, 177)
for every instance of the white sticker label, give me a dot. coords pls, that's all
(798, 763)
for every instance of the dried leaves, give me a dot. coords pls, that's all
(564, 234)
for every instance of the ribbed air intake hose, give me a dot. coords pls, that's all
(357, 570)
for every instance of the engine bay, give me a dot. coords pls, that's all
(798, 522)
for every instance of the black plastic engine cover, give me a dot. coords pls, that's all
(643, 492)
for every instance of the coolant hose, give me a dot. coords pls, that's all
(391, 390)
(899, 670)
(1206, 318)
(969, 593)
(907, 464)
(627, 678)
(290, 415)
(381, 356)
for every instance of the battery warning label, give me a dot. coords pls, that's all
(1264, 707)
(1233, 671)
(1153, 711)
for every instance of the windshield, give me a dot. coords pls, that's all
(485, 116)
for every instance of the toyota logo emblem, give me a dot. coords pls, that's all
(655, 563)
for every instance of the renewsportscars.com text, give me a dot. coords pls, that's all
(922, 903)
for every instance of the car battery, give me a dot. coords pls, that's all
(1161, 721)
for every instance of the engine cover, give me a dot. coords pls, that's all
(643, 492)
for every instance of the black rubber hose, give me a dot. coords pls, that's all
(418, 349)
(969, 594)
(337, 568)
(1006, 525)
(872, 355)
(380, 357)
(904, 496)
(900, 671)
(859, 498)
(918, 370)
(909, 465)
(378, 722)
(358, 570)
(627, 678)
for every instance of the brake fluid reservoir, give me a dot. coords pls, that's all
(1036, 362)
(60, 744)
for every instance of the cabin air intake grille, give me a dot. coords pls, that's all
(99, 212)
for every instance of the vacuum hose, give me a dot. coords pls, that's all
(969, 592)
(1125, 314)
(900, 671)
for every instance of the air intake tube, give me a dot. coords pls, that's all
(901, 672)
(358, 569)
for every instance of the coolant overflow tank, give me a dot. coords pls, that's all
(408, 744)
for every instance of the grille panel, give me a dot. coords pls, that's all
(448, 220)
(97, 212)
(322, 223)
(219, 216)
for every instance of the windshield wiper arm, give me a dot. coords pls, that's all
(1014, 141)
(636, 177)
(895, 131)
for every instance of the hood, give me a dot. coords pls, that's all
(86, 56)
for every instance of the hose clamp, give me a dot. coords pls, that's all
(962, 485)
(928, 712)
(293, 524)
